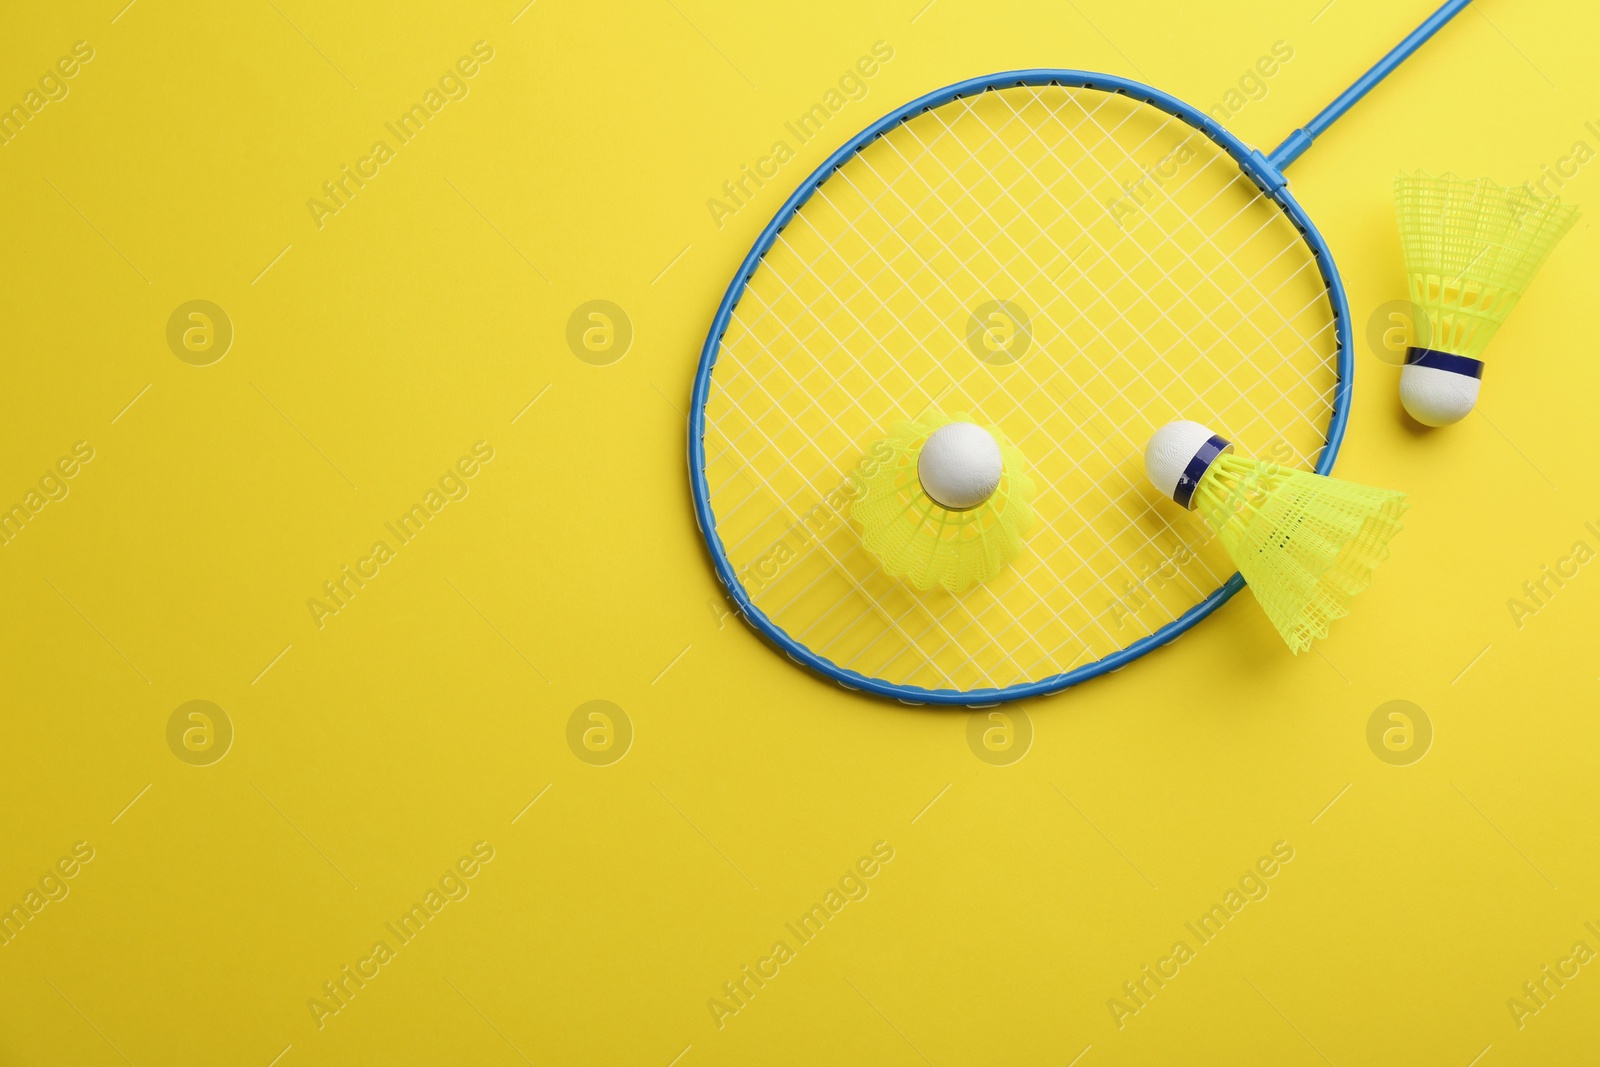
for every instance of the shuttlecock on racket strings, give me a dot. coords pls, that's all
(1471, 248)
(944, 502)
(1305, 544)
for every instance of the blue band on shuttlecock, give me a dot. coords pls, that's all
(1430, 357)
(1189, 480)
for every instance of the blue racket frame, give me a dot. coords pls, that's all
(1265, 170)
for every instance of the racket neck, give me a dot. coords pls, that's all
(1297, 142)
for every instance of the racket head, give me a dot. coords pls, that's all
(1251, 163)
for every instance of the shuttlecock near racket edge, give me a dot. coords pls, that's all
(1305, 544)
(1471, 248)
(949, 504)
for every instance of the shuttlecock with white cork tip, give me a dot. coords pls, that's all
(1305, 544)
(1471, 248)
(949, 504)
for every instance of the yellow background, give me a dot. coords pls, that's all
(373, 752)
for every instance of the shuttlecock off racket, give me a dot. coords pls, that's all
(949, 506)
(1471, 248)
(1305, 544)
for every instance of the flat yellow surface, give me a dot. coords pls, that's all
(422, 769)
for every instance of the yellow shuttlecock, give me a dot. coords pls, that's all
(949, 504)
(1471, 248)
(1304, 543)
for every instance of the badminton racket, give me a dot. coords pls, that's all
(1072, 258)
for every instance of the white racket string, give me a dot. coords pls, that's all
(810, 349)
(1036, 264)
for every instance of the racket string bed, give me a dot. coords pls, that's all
(841, 340)
(861, 263)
